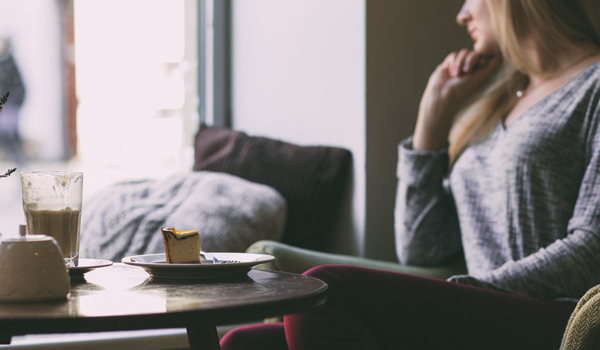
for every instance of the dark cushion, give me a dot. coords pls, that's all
(312, 179)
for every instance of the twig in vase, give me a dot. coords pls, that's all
(3, 101)
(10, 171)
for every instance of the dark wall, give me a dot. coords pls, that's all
(406, 40)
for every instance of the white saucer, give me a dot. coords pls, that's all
(155, 265)
(87, 265)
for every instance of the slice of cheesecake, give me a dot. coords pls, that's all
(181, 247)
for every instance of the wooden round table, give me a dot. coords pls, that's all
(123, 297)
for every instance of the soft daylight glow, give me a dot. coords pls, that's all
(128, 81)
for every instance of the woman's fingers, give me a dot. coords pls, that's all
(465, 62)
(472, 62)
(458, 75)
(446, 66)
(459, 62)
(487, 65)
(465, 85)
(454, 80)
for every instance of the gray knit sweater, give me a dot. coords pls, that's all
(523, 204)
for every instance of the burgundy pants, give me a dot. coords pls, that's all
(374, 309)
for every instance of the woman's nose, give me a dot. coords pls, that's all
(464, 15)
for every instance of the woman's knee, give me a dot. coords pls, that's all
(330, 274)
(341, 273)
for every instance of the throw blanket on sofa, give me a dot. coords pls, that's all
(230, 214)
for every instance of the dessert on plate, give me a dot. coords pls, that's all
(181, 247)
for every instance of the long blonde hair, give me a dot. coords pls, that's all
(556, 24)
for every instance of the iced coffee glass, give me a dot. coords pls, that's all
(52, 206)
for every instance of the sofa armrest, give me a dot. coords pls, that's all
(298, 260)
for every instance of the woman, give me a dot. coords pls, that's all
(515, 189)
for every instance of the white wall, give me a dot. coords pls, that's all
(299, 76)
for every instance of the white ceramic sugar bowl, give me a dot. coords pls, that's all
(32, 269)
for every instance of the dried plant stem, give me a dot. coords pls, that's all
(10, 171)
(3, 101)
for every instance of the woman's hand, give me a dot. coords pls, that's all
(450, 85)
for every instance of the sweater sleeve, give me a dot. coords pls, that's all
(426, 223)
(570, 266)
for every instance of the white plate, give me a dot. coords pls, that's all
(87, 265)
(157, 268)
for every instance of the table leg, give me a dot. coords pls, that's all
(5, 338)
(203, 338)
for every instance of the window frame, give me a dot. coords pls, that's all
(214, 62)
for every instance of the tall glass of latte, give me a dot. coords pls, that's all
(52, 206)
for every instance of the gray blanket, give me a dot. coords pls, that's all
(230, 214)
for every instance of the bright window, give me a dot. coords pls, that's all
(136, 74)
(135, 91)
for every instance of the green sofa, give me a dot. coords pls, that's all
(298, 260)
